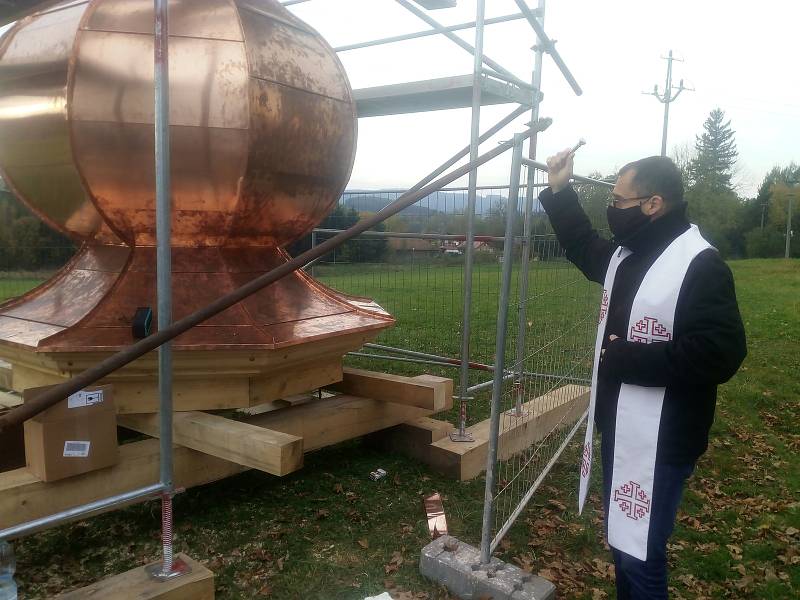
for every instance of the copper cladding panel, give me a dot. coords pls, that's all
(212, 19)
(112, 125)
(292, 311)
(114, 80)
(293, 57)
(35, 150)
(206, 166)
(300, 146)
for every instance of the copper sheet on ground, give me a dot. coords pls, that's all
(437, 522)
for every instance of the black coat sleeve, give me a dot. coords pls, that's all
(583, 245)
(708, 348)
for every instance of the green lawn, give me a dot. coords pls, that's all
(16, 286)
(330, 532)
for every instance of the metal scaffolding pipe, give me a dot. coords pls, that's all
(461, 435)
(500, 354)
(79, 511)
(466, 150)
(549, 46)
(457, 40)
(473, 365)
(441, 359)
(426, 33)
(522, 304)
(58, 392)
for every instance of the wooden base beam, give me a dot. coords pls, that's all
(247, 445)
(320, 423)
(424, 391)
(23, 497)
(467, 460)
(136, 584)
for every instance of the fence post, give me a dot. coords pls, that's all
(500, 350)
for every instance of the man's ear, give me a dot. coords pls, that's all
(654, 206)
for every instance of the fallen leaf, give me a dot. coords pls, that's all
(363, 543)
(394, 563)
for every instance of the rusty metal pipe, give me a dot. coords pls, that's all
(57, 393)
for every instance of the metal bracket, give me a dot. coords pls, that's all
(179, 569)
(457, 436)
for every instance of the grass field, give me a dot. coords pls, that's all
(330, 532)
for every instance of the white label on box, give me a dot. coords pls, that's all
(84, 398)
(77, 449)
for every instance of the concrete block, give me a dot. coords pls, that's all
(456, 565)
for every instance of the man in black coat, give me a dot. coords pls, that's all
(646, 213)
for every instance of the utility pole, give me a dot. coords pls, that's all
(667, 97)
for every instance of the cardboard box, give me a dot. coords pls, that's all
(75, 436)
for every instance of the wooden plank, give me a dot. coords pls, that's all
(135, 394)
(299, 379)
(23, 497)
(466, 460)
(273, 452)
(201, 393)
(424, 391)
(332, 420)
(284, 402)
(136, 584)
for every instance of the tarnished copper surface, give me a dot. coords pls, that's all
(36, 157)
(263, 127)
(294, 310)
(263, 135)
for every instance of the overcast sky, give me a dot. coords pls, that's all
(739, 56)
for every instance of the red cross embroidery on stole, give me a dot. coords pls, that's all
(586, 461)
(632, 500)
(649, 330)
(603, 307)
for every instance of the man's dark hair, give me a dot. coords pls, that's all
(659, 176)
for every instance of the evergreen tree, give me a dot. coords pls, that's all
(712, 167)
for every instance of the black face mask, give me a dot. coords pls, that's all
(625, 222)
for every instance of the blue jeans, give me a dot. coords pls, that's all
(638, 579)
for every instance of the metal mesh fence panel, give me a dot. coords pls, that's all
(548, 360)
(414, 268)
(30, 252)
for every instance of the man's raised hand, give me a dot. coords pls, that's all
(559, 170)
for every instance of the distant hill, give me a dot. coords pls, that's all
(438, 202)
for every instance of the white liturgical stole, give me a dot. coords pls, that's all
(638, 408)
